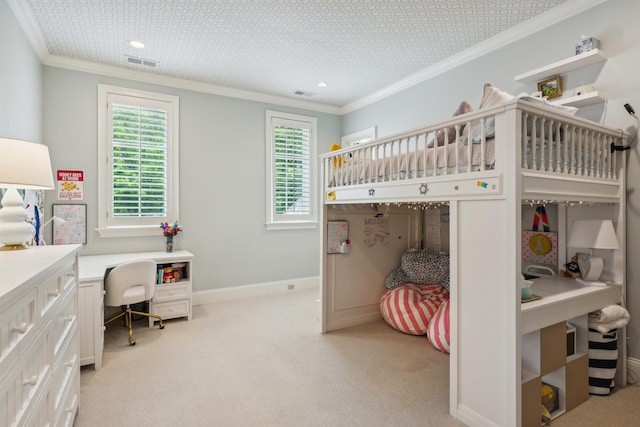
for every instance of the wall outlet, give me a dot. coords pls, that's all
(291, 287)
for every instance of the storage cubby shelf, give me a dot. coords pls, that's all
(573, 63)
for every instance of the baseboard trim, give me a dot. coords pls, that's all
(633, 370)
(254, 290)
(353, 321)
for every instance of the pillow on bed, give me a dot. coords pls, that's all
(410, 308)
(438, 329)
(489, 130)
(493, 96)
(425, 266)
(463, 108)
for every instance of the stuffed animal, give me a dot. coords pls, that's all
(339, 160)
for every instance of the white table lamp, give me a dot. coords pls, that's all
(592, 234)
(23, 165)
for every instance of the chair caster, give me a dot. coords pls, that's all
(132, 343)
(161, 326)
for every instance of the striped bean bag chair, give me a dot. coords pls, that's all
(438, 330)
(409, 308)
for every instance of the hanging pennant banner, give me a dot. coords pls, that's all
(70, 185)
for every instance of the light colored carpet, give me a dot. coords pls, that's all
(263, 362)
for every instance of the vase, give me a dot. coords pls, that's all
(169, 243)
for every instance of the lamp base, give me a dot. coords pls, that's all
(590, 267)
(14, 230)
(13, 247)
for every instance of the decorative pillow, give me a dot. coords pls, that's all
(409, 308)
(493, 96)
(489, 130)
(396, 278)
(438, 329)
(463, 108)
(425, 266)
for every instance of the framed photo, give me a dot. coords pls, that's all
(74, 229)
(551, 88)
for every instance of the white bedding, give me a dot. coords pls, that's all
(354, 170)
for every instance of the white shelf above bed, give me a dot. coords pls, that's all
(589, 98)
(573, 63)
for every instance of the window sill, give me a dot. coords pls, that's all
(293, 225)
(130, 231)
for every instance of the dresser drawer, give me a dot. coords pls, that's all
(16, 324)
(171, 292)
(170, 310)
(66, 369)
(18, 392)
(64, 321)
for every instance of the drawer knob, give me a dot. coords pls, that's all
(54, 293)
(69, 364)
(31, 381)
(21, 328)
(68, 318)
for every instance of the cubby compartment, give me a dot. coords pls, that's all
(551, 356)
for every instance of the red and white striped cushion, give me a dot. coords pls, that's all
(409, 308)
(438, 330)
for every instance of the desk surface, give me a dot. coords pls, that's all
(563, 298)
(93, 267)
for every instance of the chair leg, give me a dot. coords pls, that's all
(150, 315)
(130, 323)
(116, 317)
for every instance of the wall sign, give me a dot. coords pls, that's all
(70, 184)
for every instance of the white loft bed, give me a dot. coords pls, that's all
(537, 154)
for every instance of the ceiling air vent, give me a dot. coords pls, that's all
(300, 92)
(141, 61)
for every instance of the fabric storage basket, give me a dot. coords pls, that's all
(603, 359)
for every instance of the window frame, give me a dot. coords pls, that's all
(280, 222)
(135, 227)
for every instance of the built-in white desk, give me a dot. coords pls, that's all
(554, 342)
(171, 300)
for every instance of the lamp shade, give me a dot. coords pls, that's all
(24, 165)
(593, 234)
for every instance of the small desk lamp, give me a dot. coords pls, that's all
(55, 219)
(592, 234)
(23, 165)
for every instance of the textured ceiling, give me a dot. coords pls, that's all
(275, 47)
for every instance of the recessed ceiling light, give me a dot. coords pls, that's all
(322, 84)
(137, 44)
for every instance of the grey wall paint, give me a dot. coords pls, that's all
(614, 23)
(222, 180)
(20, 82)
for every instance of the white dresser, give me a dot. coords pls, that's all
(39, 341)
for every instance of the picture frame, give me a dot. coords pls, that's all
(551, 87)
(74, 229)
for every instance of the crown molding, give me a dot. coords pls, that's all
(158, 79)
(527, 28)
(520, 31)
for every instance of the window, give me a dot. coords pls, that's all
(290, 171)
(137, 161)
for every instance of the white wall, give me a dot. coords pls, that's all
(615, 23)
(20, 82)
(222, 174)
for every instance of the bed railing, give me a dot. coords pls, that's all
(551, 142)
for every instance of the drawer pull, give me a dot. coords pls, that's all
(69, 364)
(68, 318)
(54, 293)
(31, 381)
(71, 274)
(21, 328)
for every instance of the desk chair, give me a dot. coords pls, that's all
(130, 283)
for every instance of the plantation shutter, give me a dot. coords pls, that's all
(139, 161)
(292, 168)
